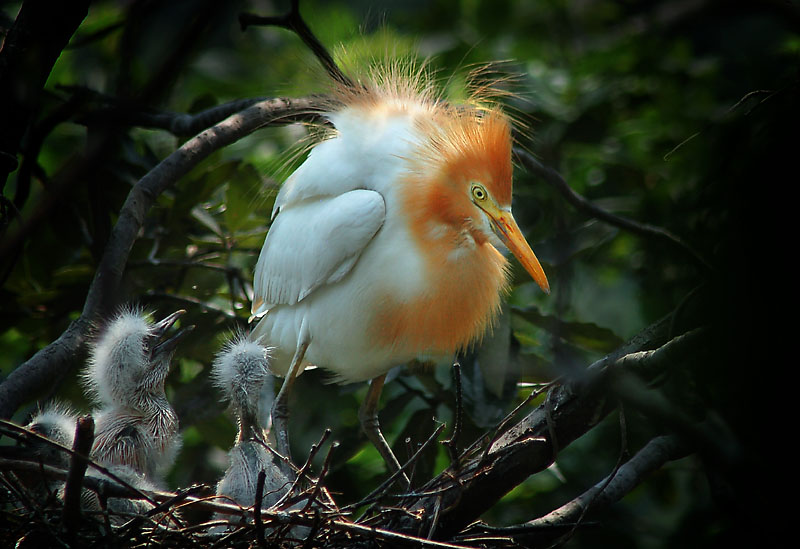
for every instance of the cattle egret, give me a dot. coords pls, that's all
(135, 425)
(383, 246)
(240, 370)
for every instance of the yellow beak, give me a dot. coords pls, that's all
(508, 231)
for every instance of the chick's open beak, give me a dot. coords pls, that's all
(167, 346)
(507, 229)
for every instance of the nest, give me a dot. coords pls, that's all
(40, 508)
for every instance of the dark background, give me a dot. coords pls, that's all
(680, 114)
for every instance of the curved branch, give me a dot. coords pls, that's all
(550, 528)
(125, 112)
(57, 359)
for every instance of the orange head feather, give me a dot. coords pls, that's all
(460, 175)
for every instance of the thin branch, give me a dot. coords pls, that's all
(317, 487)
(302, 473)
(204, 306)
(532, 165)
(623, 451)
(260, 480)
(622, 481)
(294, 22)
(459, 409)
(378, 492)
(82, 445)
(573, 409)
(124, 112)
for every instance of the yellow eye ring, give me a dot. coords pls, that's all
(478, 192)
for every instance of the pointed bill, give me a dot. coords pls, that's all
(160, 328)
(508, 231)
(163, 345)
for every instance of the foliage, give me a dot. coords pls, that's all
(662, 112)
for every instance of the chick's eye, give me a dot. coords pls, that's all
(478, 192)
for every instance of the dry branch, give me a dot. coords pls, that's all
(653, 456)
(570, 410)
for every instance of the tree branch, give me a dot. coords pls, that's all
(532, 165)
(294, 22)
(58, 358)
(559, 525)
(29, 51)
(570, 410)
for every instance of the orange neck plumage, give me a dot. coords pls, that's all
(464, 274)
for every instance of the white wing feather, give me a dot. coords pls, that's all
(312, 243)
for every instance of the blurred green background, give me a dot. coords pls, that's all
(675, 113)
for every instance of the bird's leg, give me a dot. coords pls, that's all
(280, 407)
(368, 415)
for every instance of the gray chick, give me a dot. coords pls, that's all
(135, 425)
(240, 370)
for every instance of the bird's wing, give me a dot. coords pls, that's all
(312, 243)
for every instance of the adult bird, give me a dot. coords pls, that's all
(135, 425)
(240, 370)
(383, 246)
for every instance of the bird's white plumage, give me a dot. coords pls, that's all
(309, 273)
(356, 157)
(327, 235)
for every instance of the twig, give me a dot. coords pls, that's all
(163, 507)
(620, 460)
(294, 22)
(453, 440)
(552, 437)
(303, 472)
(124, 113)
(435, 520)
(262, 477)
(620, 482)
(530, 163)
(82, 445)
(503, 423)
(379, 491)
(203, 305)
(396, 537)
(318, 484)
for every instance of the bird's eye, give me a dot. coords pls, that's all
(478, 192)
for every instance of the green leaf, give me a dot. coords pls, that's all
(585, 335)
